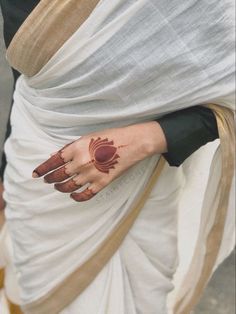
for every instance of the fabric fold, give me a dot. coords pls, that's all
(128, 62)
(215, 207)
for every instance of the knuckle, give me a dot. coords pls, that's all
(69, 169)
(102, 182)
(64, 155)
(76, 180)
(79, 181)
(75, 147)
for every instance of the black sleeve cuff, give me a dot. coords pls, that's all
(186, 131)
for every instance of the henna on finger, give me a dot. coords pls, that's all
(85, 195)
(55, 161)
(58, 175)
(68, 186)
(52, 163)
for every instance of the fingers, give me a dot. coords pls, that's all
(75, 183)
(63, 173)
(88, 193)
(56, 160)
(68, 186)
(58, 175)
(85, 195)
(52, 163)
(70, 171)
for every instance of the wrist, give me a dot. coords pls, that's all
(150, 138)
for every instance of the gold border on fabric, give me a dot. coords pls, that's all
(13, 308)
(1, 278)
(62, 295)
(225, 122)
(42, 34)
(37, 40)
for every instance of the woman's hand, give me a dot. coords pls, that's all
(98, 158)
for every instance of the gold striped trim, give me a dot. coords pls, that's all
(13, 308)
(1, 278)
(226, 130)
(62, 295)
(45, 31)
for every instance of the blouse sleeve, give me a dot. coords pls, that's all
(186, 131)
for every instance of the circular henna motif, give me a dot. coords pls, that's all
(103, 154)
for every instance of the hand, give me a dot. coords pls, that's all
(98, 158)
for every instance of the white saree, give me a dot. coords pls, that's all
(129, 62)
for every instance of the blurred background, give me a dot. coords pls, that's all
(219, 297)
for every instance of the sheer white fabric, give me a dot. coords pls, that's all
(131, 61)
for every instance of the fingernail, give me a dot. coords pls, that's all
(35, 175)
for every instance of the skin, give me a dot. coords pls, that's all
(103, 154)
(99, 158)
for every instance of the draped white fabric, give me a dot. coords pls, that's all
(130, 61)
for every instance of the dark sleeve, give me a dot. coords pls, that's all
(186, 131)
(14, 13)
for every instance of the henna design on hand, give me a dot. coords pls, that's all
(103, 154)
(85, 195)
(68, 186)
(56, 160)
(58, 175)
(52, 163)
